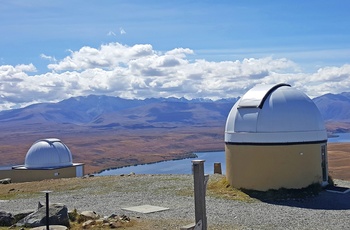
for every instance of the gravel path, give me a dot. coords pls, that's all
(327, 211)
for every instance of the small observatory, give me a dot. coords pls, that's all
(46, 159)
(275, 138)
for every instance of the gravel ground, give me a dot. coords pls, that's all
(326, 211)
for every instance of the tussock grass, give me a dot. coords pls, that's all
(220, 188)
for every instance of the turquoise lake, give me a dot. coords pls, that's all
(184, 166)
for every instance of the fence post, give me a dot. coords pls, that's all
(217, 168)
(199, 192)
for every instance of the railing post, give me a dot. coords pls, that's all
(199, 192)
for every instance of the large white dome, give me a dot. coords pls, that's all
(274, 114)
(48, 153)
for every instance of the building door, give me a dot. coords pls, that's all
(79, 171)
(324, 162)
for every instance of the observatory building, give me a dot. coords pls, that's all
(275, 138)
(46, 159)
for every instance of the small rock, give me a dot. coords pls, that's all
(87, 215)
(88, 224)
(88, 175)
(101, 221)
(5, 181)
(115, 224)
(112, 216)
(125, 218)
(90, 214)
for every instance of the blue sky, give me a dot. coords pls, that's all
(52, 50)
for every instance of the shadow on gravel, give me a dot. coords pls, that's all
(310, 198)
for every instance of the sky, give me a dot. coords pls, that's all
(54, 50)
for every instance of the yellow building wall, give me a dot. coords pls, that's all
(26, 175)
(273, 167)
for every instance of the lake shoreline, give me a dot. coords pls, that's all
(163, 166)
(193, 155)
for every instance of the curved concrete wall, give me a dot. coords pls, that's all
(264, 167)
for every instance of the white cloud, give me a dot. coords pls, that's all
(108, 56)
(139, 71)
(50, 58)
(329, 80)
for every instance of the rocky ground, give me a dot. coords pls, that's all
(109, 195)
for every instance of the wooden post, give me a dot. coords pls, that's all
(199, 193)
(217, 168)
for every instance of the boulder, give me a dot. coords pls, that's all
(6, 219)
(58, 215)
(22, 214)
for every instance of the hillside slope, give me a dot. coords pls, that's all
(334, 107)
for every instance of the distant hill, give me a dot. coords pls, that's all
(335, 110)
(334, 107)
(107, 112)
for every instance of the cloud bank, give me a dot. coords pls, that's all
(139, 71)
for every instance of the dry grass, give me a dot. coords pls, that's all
(220, 188)
(339, 160)
(32, 189)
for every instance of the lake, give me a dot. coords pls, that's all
(184, 166)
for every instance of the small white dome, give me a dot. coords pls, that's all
(274, 114)
(48, 153)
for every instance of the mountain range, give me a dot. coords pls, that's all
(106, 112)
(334, 107)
